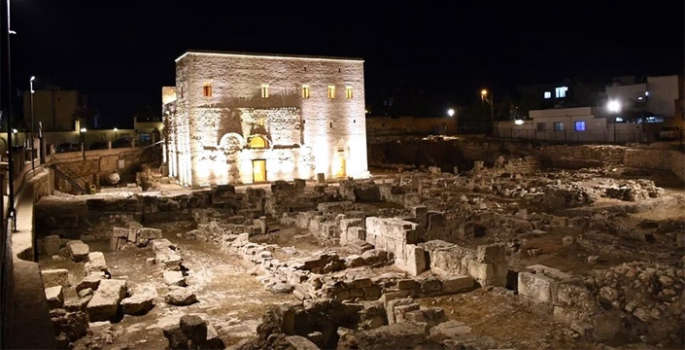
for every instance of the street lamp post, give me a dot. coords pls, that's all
(33, 158)
(83, 141)
(451, 112)
(614, 107)
(483, 97)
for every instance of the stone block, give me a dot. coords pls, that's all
(390, 306)
(487, 274)
(430, 286)
(194, 328)
(150, 233)
(372, 292)
(120, 232)
(414, 261)
(51, 245)
(180, 297)
(78, 250)
(96, 263)
(296, 342)
(91, 281)
(401, 310)
(174, 278)
(105, 302)
(535, 287)
(491, 253)
(55, 277)
(362, 282)
(55, 297)
(407, 284)
(139, 303)
(177, 339)
(457, 283)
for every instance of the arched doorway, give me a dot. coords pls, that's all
(340, 160)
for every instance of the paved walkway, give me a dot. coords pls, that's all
(29, 321)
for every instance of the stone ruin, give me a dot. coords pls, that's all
(387, 243)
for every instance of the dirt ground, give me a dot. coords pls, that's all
(230, 298)
(493, 314)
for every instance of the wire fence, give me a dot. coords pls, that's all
(609, 136)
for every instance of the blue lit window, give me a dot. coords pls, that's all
(580, 125)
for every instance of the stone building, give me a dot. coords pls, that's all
(250, 118)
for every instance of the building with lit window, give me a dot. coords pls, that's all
(248, 118)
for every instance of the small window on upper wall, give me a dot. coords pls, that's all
(560, 92)
(331, 91)
(558, 126)
(348, 92)
(265, 90)
(548, 94)
(207, 90)
(305, 91)
(580, 125)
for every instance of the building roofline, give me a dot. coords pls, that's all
(266, 55)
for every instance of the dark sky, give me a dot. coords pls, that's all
(120, 53)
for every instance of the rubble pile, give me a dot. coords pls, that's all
(632, 302)
(389, 323)
(634, 190)
(168, 257)
(649, 297)
(135, 235)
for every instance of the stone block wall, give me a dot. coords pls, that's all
(400, 238)
(672, 160)
(487, 264)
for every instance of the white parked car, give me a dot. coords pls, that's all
(669, 133)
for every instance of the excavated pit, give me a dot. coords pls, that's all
(505, 255)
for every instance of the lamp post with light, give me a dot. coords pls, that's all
(614, 107)
(33, 161)
(82, 136)
(450, 113)
(483, 97)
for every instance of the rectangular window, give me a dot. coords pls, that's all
(558, 126)
(548, 94)
(541, 126)
(580, 125)
(305, 91)
(265, 90)
(207, 90)
(331, 91)
(348, 92)
(560, 92)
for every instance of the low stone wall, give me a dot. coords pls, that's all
(672, 160)
(631, 302)
(487, 264)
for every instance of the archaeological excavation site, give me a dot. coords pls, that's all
(448, 244)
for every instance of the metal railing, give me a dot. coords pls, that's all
(71, 179)
(608, 136)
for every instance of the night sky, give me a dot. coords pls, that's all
(120, 53)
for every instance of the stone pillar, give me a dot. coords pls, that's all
(416, 183)
(109, 144)
(321, 178)
(456, 170)
(477, 167)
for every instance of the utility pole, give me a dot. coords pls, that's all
(6, 102)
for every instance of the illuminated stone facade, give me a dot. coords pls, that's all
(247, 118)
